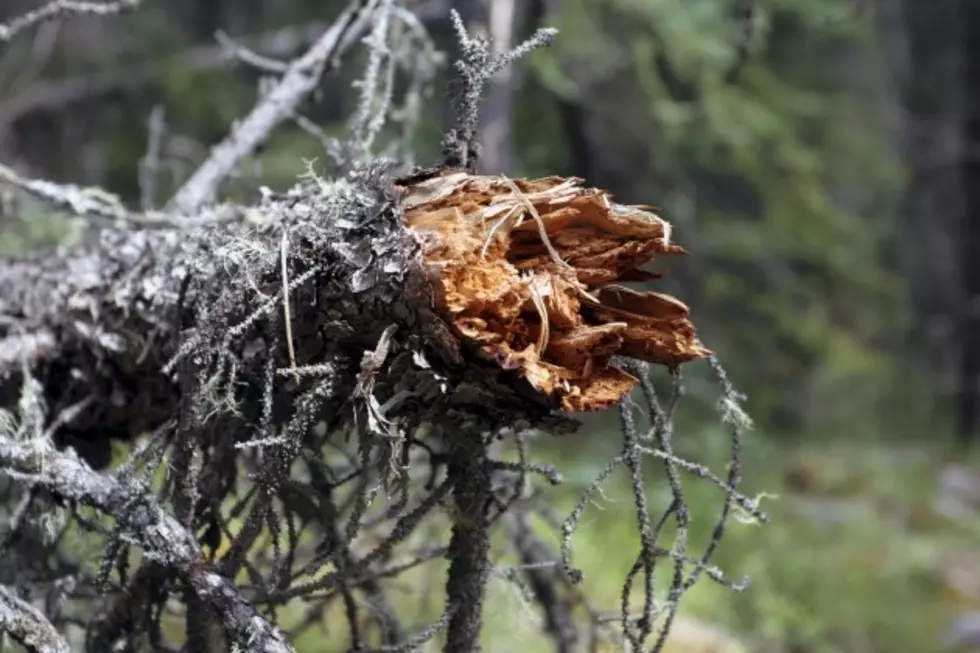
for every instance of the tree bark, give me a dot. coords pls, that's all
(159, 322)
(469, 549)
(969, 409)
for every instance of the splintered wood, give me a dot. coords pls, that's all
(525, 272)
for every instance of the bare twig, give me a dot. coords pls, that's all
(476, 66)
(94, 202)
(60, 8)
(249, 57)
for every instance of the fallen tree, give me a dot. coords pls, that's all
(306, 385)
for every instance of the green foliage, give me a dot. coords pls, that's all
(845, 565)
(783, 184)
(227, 98)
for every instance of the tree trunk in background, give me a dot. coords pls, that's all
(970, 262)
(202, 19)
(496, 129)
(571, 112)
(934, 207)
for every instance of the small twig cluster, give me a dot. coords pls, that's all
(478, 64)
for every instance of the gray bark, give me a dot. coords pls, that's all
(28, 626)
(105, 324)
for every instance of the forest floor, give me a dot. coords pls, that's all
(871, 549)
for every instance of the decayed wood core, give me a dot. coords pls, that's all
(527, 272)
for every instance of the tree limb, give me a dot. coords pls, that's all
(469, 549)
(28, 626)
(300, 79)
(58, 8)
(144, 523)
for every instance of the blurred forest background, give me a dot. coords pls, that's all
(826, 194)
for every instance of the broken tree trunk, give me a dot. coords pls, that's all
(518, 274)
(450, 303)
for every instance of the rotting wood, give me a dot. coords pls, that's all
(527, 273)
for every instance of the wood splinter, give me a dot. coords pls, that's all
(527, 273)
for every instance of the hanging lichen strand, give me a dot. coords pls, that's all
(526, 273)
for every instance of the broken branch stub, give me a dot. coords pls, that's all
(524, 272)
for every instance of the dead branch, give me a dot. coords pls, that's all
(28, 626)
(478, 64)
(300, 79)
(59, 94)
(62, 8)
(145, 524)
